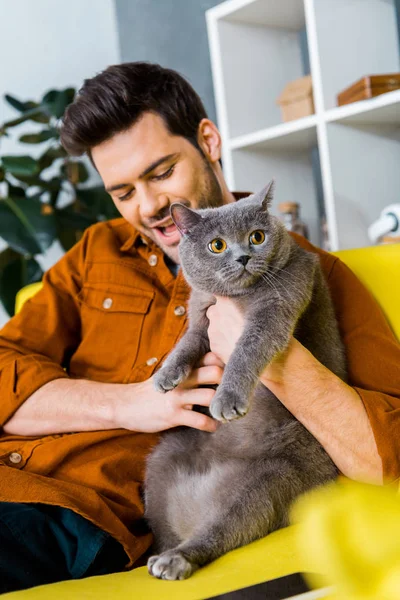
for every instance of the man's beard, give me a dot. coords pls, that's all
(211, 196)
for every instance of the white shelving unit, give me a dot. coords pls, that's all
(257, 47)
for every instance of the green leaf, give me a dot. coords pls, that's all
(16, 272)
(20, 165)
(35, 114)
(2, 174)
(18, 105)
(25, 227)
(71, 224)
(57, 101)
(49, 186)
(51, 154)
(75, 171)
(15, 191)
(98, 202)
(38, 138)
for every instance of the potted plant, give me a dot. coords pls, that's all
(42, 199)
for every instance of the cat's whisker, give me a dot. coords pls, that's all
(270, 282)
(291, 275)
(286, 281)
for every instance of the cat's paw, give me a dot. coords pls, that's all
(227, 405)
(167, 378)
(170, 565)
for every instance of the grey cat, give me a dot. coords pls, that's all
(208, 493)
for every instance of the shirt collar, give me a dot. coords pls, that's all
(134, 240)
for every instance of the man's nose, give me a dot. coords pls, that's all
(151, 205)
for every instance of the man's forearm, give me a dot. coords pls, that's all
(331, 410)
(76, 405)
(63, 406)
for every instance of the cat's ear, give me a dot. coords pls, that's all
(184, 218)
(267, 194)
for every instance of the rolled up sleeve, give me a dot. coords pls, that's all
(383, 413)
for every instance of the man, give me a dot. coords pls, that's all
(78, 407)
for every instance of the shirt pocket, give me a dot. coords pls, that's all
(112, 322)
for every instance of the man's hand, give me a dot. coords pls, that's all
(142, 408)
(225, 329)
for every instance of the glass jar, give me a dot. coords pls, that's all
(290, 217)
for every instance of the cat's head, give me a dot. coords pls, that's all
(226, 250)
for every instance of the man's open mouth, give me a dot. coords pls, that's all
(169, 230)
(168, 235)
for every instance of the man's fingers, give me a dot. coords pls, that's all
(200, 396)
(198, 421)
(210, 375)
(210, 359)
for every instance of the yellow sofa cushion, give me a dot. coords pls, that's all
(273, 556)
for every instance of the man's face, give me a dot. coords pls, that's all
(145, 169)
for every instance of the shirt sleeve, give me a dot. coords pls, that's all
(373, 361)
(36, 344)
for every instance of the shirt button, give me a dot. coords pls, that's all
(153, 260)
(107, 303)
(15, 458)
(179, 311)
(151, 361)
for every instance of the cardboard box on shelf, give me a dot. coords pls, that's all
(368, 87)
(297, 100)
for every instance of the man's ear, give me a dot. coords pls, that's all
(209, 140)
(184, 218)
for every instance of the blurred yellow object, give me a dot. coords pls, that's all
(378, 267)
(351, 533)
(25, 293)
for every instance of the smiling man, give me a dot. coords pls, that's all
(78, 409)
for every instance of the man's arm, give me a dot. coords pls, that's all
(329, 408)
(69, 405)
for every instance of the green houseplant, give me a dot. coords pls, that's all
(42, 199)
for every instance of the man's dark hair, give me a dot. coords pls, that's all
(116, 98)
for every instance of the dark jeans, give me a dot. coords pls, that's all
(42, 544)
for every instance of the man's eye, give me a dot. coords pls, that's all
(165, 175)
(125, 196)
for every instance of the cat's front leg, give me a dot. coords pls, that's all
(190, 349)
(171, 565)
(263, 339)
(181, 361)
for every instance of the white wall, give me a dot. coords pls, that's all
(51, 44)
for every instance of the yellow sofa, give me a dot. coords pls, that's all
(274, 556)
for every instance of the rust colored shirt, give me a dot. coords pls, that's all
(110, 310)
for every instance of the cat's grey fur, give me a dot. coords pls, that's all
(206, 494)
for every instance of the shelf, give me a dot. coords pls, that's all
(355, 38)
(285, 14)
(296, 135)
(384, 109)
(342, 161)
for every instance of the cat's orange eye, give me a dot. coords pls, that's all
(257, 237)
(217, 246)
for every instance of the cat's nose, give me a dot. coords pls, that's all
(243, 259)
